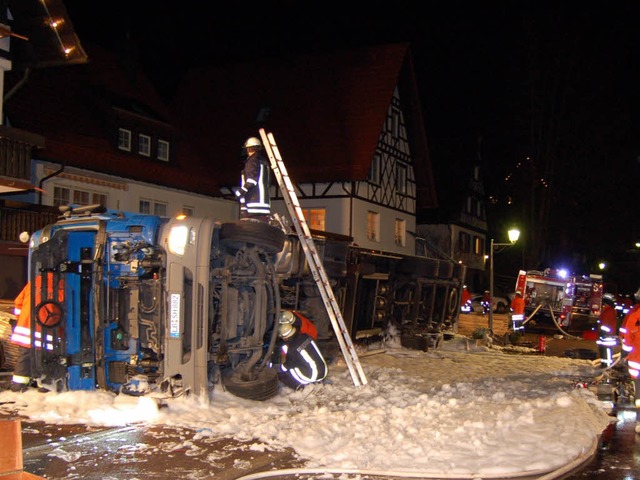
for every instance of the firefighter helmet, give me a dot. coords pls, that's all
(637, 295)
(518, 292)
(286, 317)
(286, 331)
(252, 142)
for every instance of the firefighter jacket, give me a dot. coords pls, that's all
(254, 186)
(517, 305)
(625, 335)
(608, 321)
(22, 334)
(631, 342)
(303, 363)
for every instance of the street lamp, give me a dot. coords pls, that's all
(513, 234)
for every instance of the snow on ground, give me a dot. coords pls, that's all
(460, 409)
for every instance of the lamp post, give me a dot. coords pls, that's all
(514, 234)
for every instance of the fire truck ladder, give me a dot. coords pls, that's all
(315, 264)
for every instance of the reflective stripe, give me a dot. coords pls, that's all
(627, 348)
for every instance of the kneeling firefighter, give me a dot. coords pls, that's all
(301, 362)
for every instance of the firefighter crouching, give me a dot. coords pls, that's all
(630, 334)
(22, 335)
(607, 331)
(517, 312)
(301, 362)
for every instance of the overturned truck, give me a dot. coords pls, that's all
(137, 303)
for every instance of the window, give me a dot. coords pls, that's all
(163, 150)
(144, 206)
(463, 242)
(144, 145)
(160, 209)
(61, 196)
(373, 226)
(188, 211)
(401, 179)
(478, 245)
(315, 218)
(401, 232)
(374, 172)
(99, 198)
(80, 197)
(124, 139)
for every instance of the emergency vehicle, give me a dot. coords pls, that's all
(554, 298)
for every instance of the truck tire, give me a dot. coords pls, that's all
(263, 387)
(261, 234)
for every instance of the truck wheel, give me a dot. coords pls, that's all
(501, 308)
(263, 387)
(261, 234)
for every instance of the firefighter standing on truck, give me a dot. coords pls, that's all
(22, 334)
(607, 330)
(253, 193)
(301, 362)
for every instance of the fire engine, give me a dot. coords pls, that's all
(565, 301)
(180, 305)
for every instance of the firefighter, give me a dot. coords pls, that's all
(631, 344)
(623, 331)
(301, 361)
(607, 330)
(486, 302)
(465, 300)
(517, 312)
(22, 335)
(253, 193)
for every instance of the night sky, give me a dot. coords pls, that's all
(548, 87)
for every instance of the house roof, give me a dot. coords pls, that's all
(326, 112)
(75, 109)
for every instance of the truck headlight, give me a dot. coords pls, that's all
(178, 239)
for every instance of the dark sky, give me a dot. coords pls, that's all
(552, 81)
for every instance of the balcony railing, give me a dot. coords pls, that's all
(14, 221)
(16, 150)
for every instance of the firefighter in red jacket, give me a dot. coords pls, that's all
(517, 312)
(301, 361)
(607, 330)
(630, 333)
(49, 315)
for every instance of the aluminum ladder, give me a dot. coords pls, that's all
(313, 259)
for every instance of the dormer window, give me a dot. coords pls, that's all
(124, 139)
(163, 150)
(144, 145)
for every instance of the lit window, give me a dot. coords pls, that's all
(315, 218)
(374, 172)
(124, 139)
(400, 232)
(401, 179)
(80, 197)
(61, 196)
(144, 145)
(163, 150)
(373, 226)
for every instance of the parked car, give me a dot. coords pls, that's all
(500, 303)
